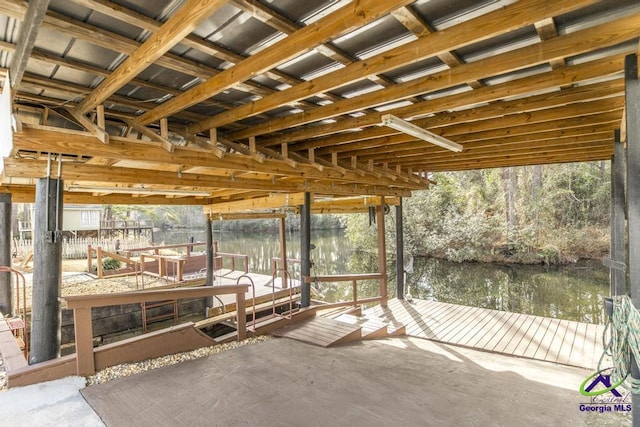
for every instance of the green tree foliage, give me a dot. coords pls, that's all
(539, 214)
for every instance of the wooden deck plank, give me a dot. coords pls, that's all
(530, 345)
(504, 332)
(577, 351)
(478, 327)
(547, 340)
(461, 323)
(446, 319)
(564, 337)
(568, 343)
(448, 323)
(495, 329)
(523, 335)
(594, 346)
(512, 337)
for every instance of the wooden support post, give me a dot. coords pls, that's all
(209, 255)
(305, 250)
(283, 251)
(382, 253)
(618, 277)
(242, 316)
(399, 252)
(99, 261)
(5, 254)
(180, 272)
(90, 258)
(83, 328)
(100, 121)
(354, 285)
(47, 271)
(632, 97)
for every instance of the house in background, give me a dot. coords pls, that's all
(83, 221)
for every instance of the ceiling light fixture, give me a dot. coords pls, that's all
(410, 129)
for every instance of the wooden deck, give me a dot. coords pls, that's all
(541, 338)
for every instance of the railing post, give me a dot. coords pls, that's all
(84, 341)
(242, 316)
(89, 258)
(180, 269)
(283, 250)
(355, 292)
(382, 253)
(99, 262)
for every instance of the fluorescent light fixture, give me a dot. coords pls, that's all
(413, 130)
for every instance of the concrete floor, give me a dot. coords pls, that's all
(404, 381)
(54, 403)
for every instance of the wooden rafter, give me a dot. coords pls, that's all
(190, 15)
(500, 22)
(303, 40)
(28, 32)
(583, 41)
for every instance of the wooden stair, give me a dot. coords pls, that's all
(321, 331)
(372, 328)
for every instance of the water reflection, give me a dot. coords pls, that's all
(573, 292)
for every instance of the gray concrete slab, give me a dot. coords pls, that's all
(53, 403)
(403, 381)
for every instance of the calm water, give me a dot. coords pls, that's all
(572, 292)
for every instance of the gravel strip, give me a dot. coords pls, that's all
(128, 369)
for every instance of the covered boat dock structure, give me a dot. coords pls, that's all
(255, 108)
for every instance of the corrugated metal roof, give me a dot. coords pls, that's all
(328, 91)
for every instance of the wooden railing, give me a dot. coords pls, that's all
(156, 249)
(118, 224)
(276, 263)
(82, 305)
(353, 278)
(100, 254)
(233, 257)
(165, 263)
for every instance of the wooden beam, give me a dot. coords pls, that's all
(364, 139)
(26, 194)
(544, 81)
(534, 142)
(494, 23)
(26, 39)
(414, 23)
(601, 36)
(340, 22)
(586, 113)
(46, 139)
(269, 202)
(166, 144)
(181, 23)
(121, 44)
(241, 216)
(154, 179)
(96, 130)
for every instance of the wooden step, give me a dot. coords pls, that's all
(370, 329)
(321, 331)
(374, 328)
